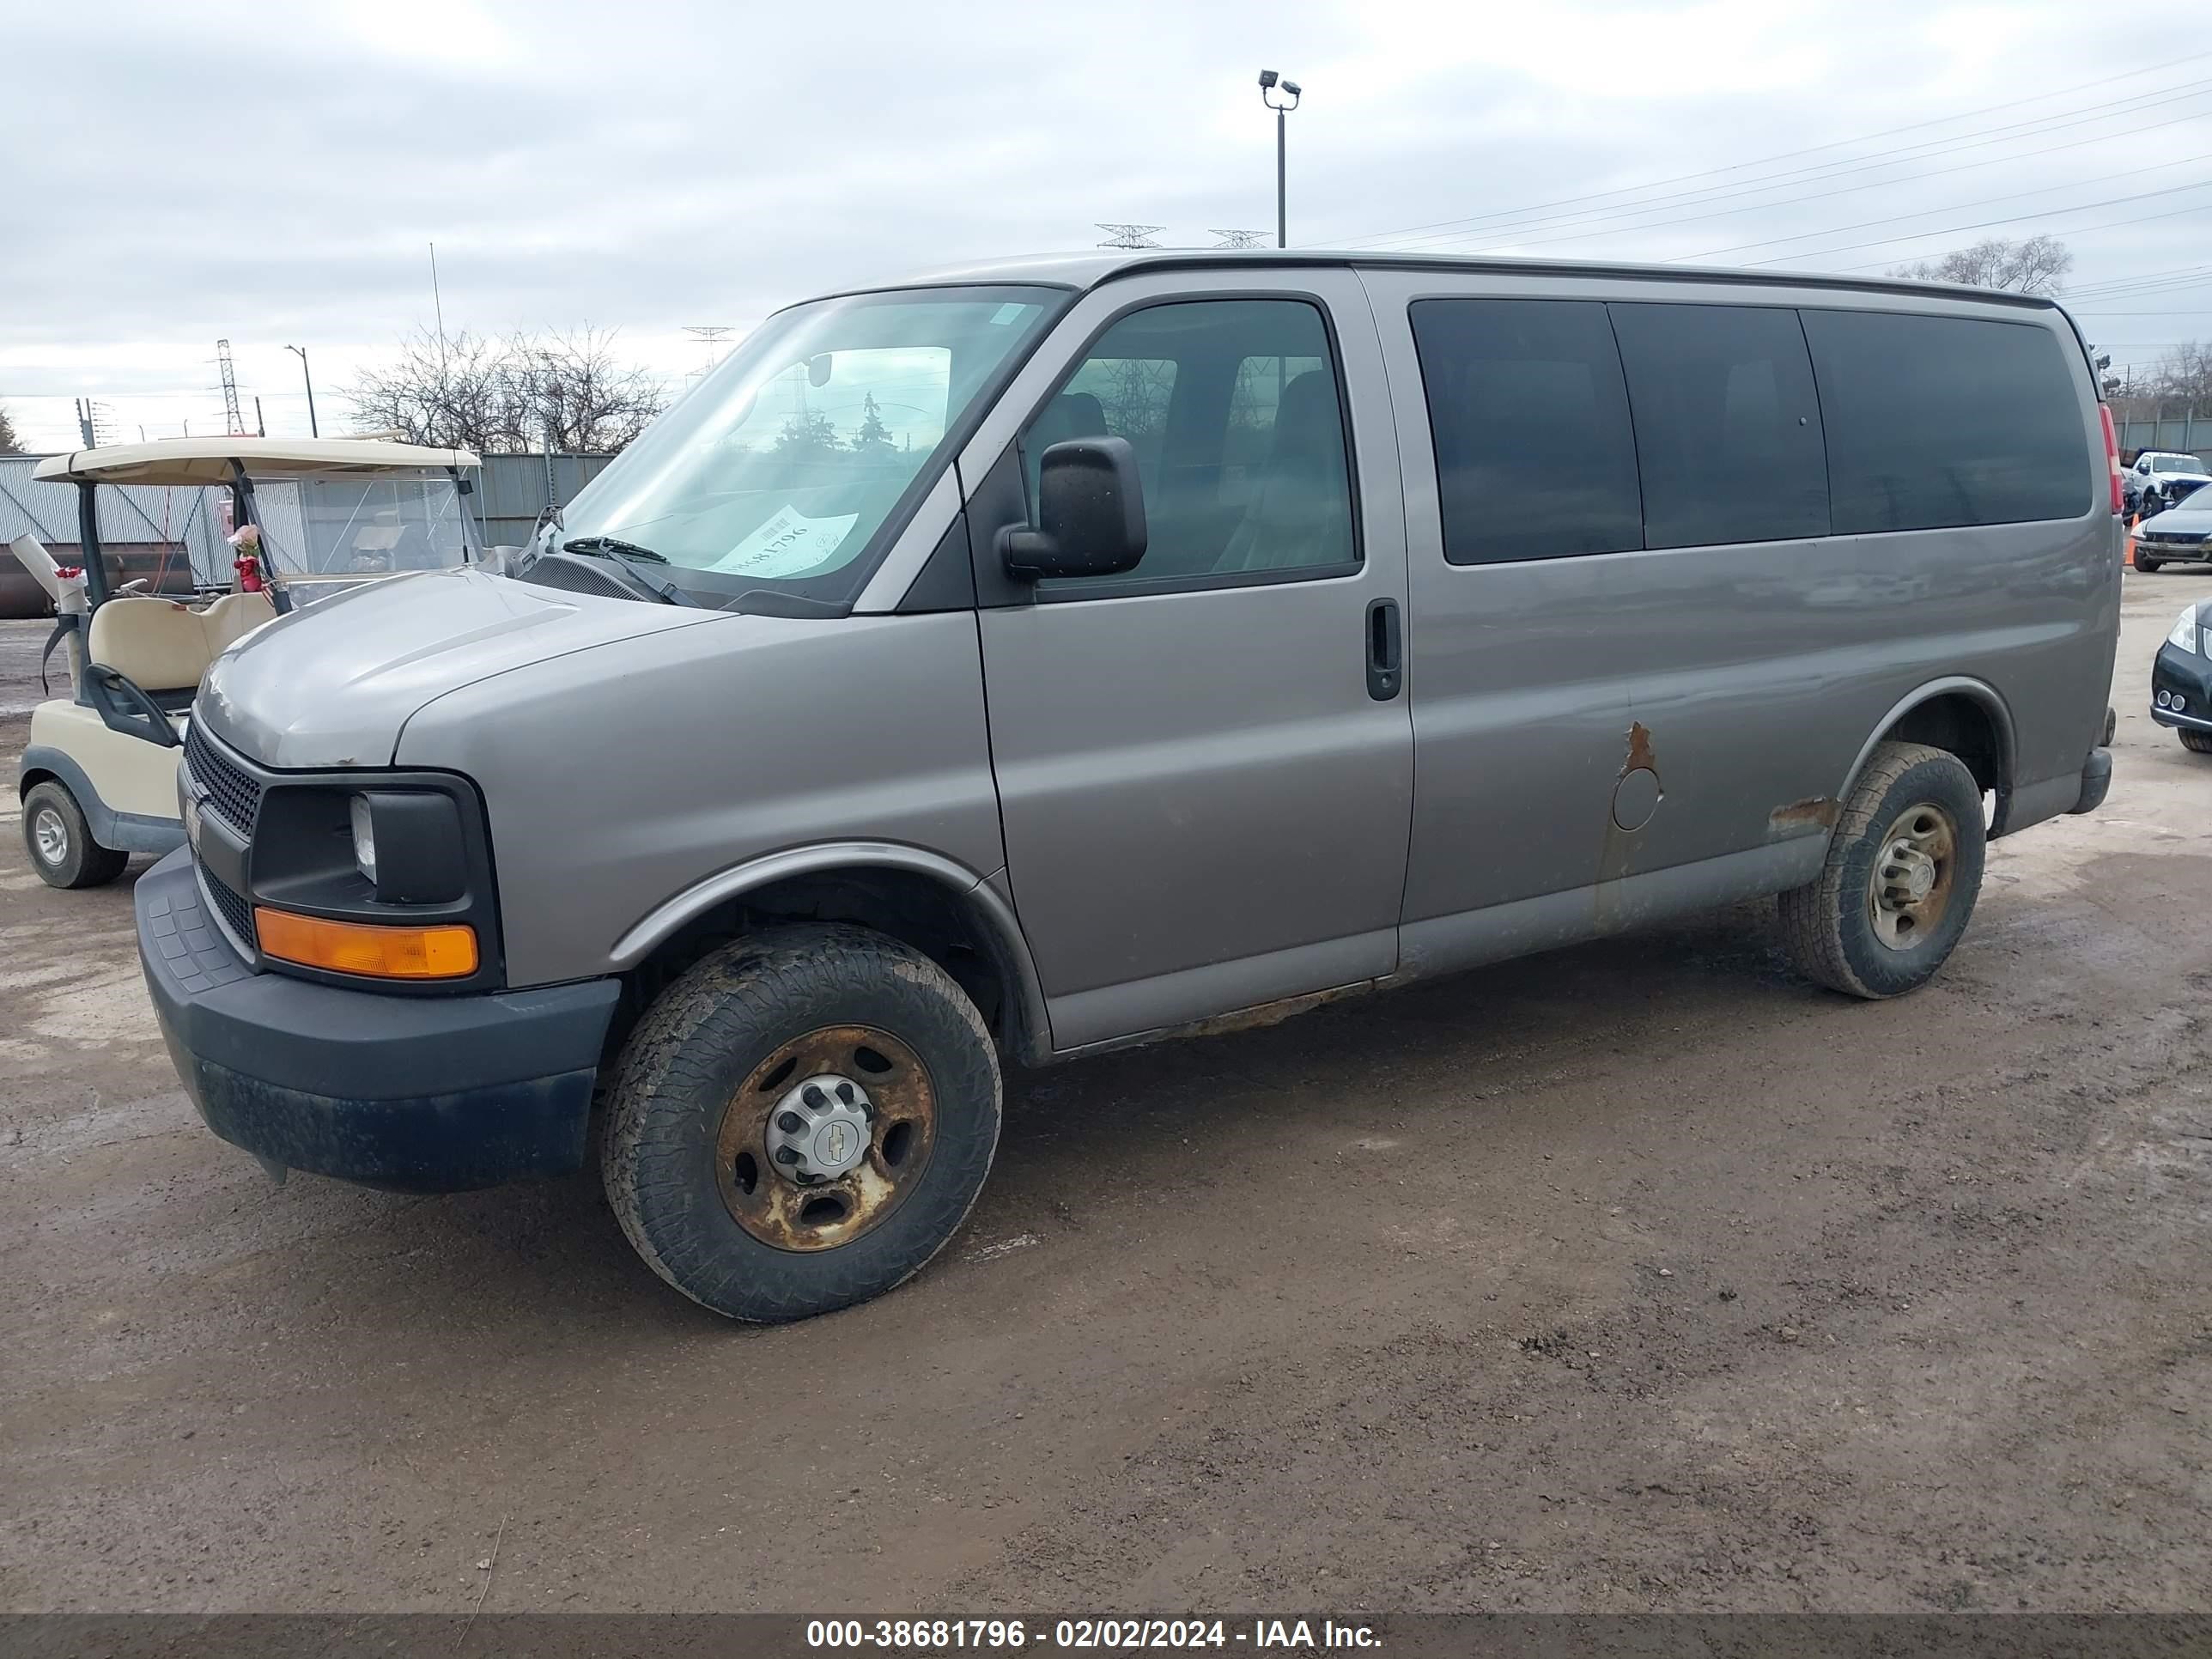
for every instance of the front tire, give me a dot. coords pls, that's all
(2197, 743)
(2148, 567)
(1903, 870)
(800, 1121)
(60, 843)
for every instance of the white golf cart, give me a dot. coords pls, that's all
(98, 780)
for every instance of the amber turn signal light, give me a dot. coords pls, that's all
(375, 951)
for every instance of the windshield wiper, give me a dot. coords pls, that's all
(612, 545)
(632, 558)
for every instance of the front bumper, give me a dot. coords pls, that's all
(2185, 675)
(415, 1093)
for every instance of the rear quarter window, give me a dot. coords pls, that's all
(1934, 423)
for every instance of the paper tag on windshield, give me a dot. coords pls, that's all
(788, 544)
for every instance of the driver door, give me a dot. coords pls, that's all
(1205, 766)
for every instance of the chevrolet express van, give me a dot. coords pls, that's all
(1027, 660)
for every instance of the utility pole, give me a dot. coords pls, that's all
(1281, 96)
(230, 409)
(313, 431)
(260, 426)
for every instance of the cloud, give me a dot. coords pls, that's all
(275, 173)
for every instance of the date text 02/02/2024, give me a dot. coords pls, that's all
(1084, 1633)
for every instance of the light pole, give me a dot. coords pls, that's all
(312, 429)
(1280, 96)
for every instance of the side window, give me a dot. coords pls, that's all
(1529, 416)
(1234, 410)
(1728, 426)
(1937, 422)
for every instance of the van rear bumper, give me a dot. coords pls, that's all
(413, 1093)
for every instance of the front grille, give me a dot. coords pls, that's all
(231, 794)
(237, 914)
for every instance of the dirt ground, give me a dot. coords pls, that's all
(1635, 1276)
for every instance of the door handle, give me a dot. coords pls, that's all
(1386, 650)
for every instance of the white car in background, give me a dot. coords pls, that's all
(2164, 477)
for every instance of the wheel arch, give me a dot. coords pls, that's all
(1962, 715)
(942, 908)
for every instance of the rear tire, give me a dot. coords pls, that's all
(2197, 743)
(828, 1043)
(1898, 885)
(60, 843)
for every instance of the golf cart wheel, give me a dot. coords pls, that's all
(2197, 743)
(1902, 870)
(800, 1121)
(60, 842)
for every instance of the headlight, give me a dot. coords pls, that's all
(2183, 638)
(364, 838)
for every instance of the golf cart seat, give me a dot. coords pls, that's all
(163, 646)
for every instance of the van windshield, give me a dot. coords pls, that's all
(791, 463)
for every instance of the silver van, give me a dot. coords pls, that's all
(1031, 660)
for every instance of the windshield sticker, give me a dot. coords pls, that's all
(1012, 312)
(788, 544)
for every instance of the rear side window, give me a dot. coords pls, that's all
(1727, 426)
(1534, 455)
(1939, 422)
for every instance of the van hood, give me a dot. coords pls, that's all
(331, 685)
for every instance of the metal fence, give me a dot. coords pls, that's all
(2189, 433)
(175, 537)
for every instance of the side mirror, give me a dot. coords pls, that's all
(1090, 508)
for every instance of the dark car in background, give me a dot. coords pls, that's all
(2180, 535)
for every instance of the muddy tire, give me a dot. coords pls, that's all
(2197, 743)
(60, 842)
(800, 1123)
(1903, 870)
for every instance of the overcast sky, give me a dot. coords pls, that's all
(274, 175)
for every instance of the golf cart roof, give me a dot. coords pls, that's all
(188, 461)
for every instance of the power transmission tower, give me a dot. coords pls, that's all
(95, 422)
(1240, 238)
(712, 336)
(230, 409)
(1121, 235)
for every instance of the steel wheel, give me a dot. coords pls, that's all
(825, 1137)
(50, 836)
(1910, 888)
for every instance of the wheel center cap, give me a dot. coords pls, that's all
(820, 1129)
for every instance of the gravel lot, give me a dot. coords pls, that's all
(1635, 1276)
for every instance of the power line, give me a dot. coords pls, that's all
(1790, 154)
(1822, 175)
(2077, 230)
(1980, 201)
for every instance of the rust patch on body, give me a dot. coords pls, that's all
(1264, 1014)
(1640, 750)
(1802, 817)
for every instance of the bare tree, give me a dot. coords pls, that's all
(2184, 375)
(9, 444)
(447, 392)
(2037, 265)
(569, 387)
(504, 396)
